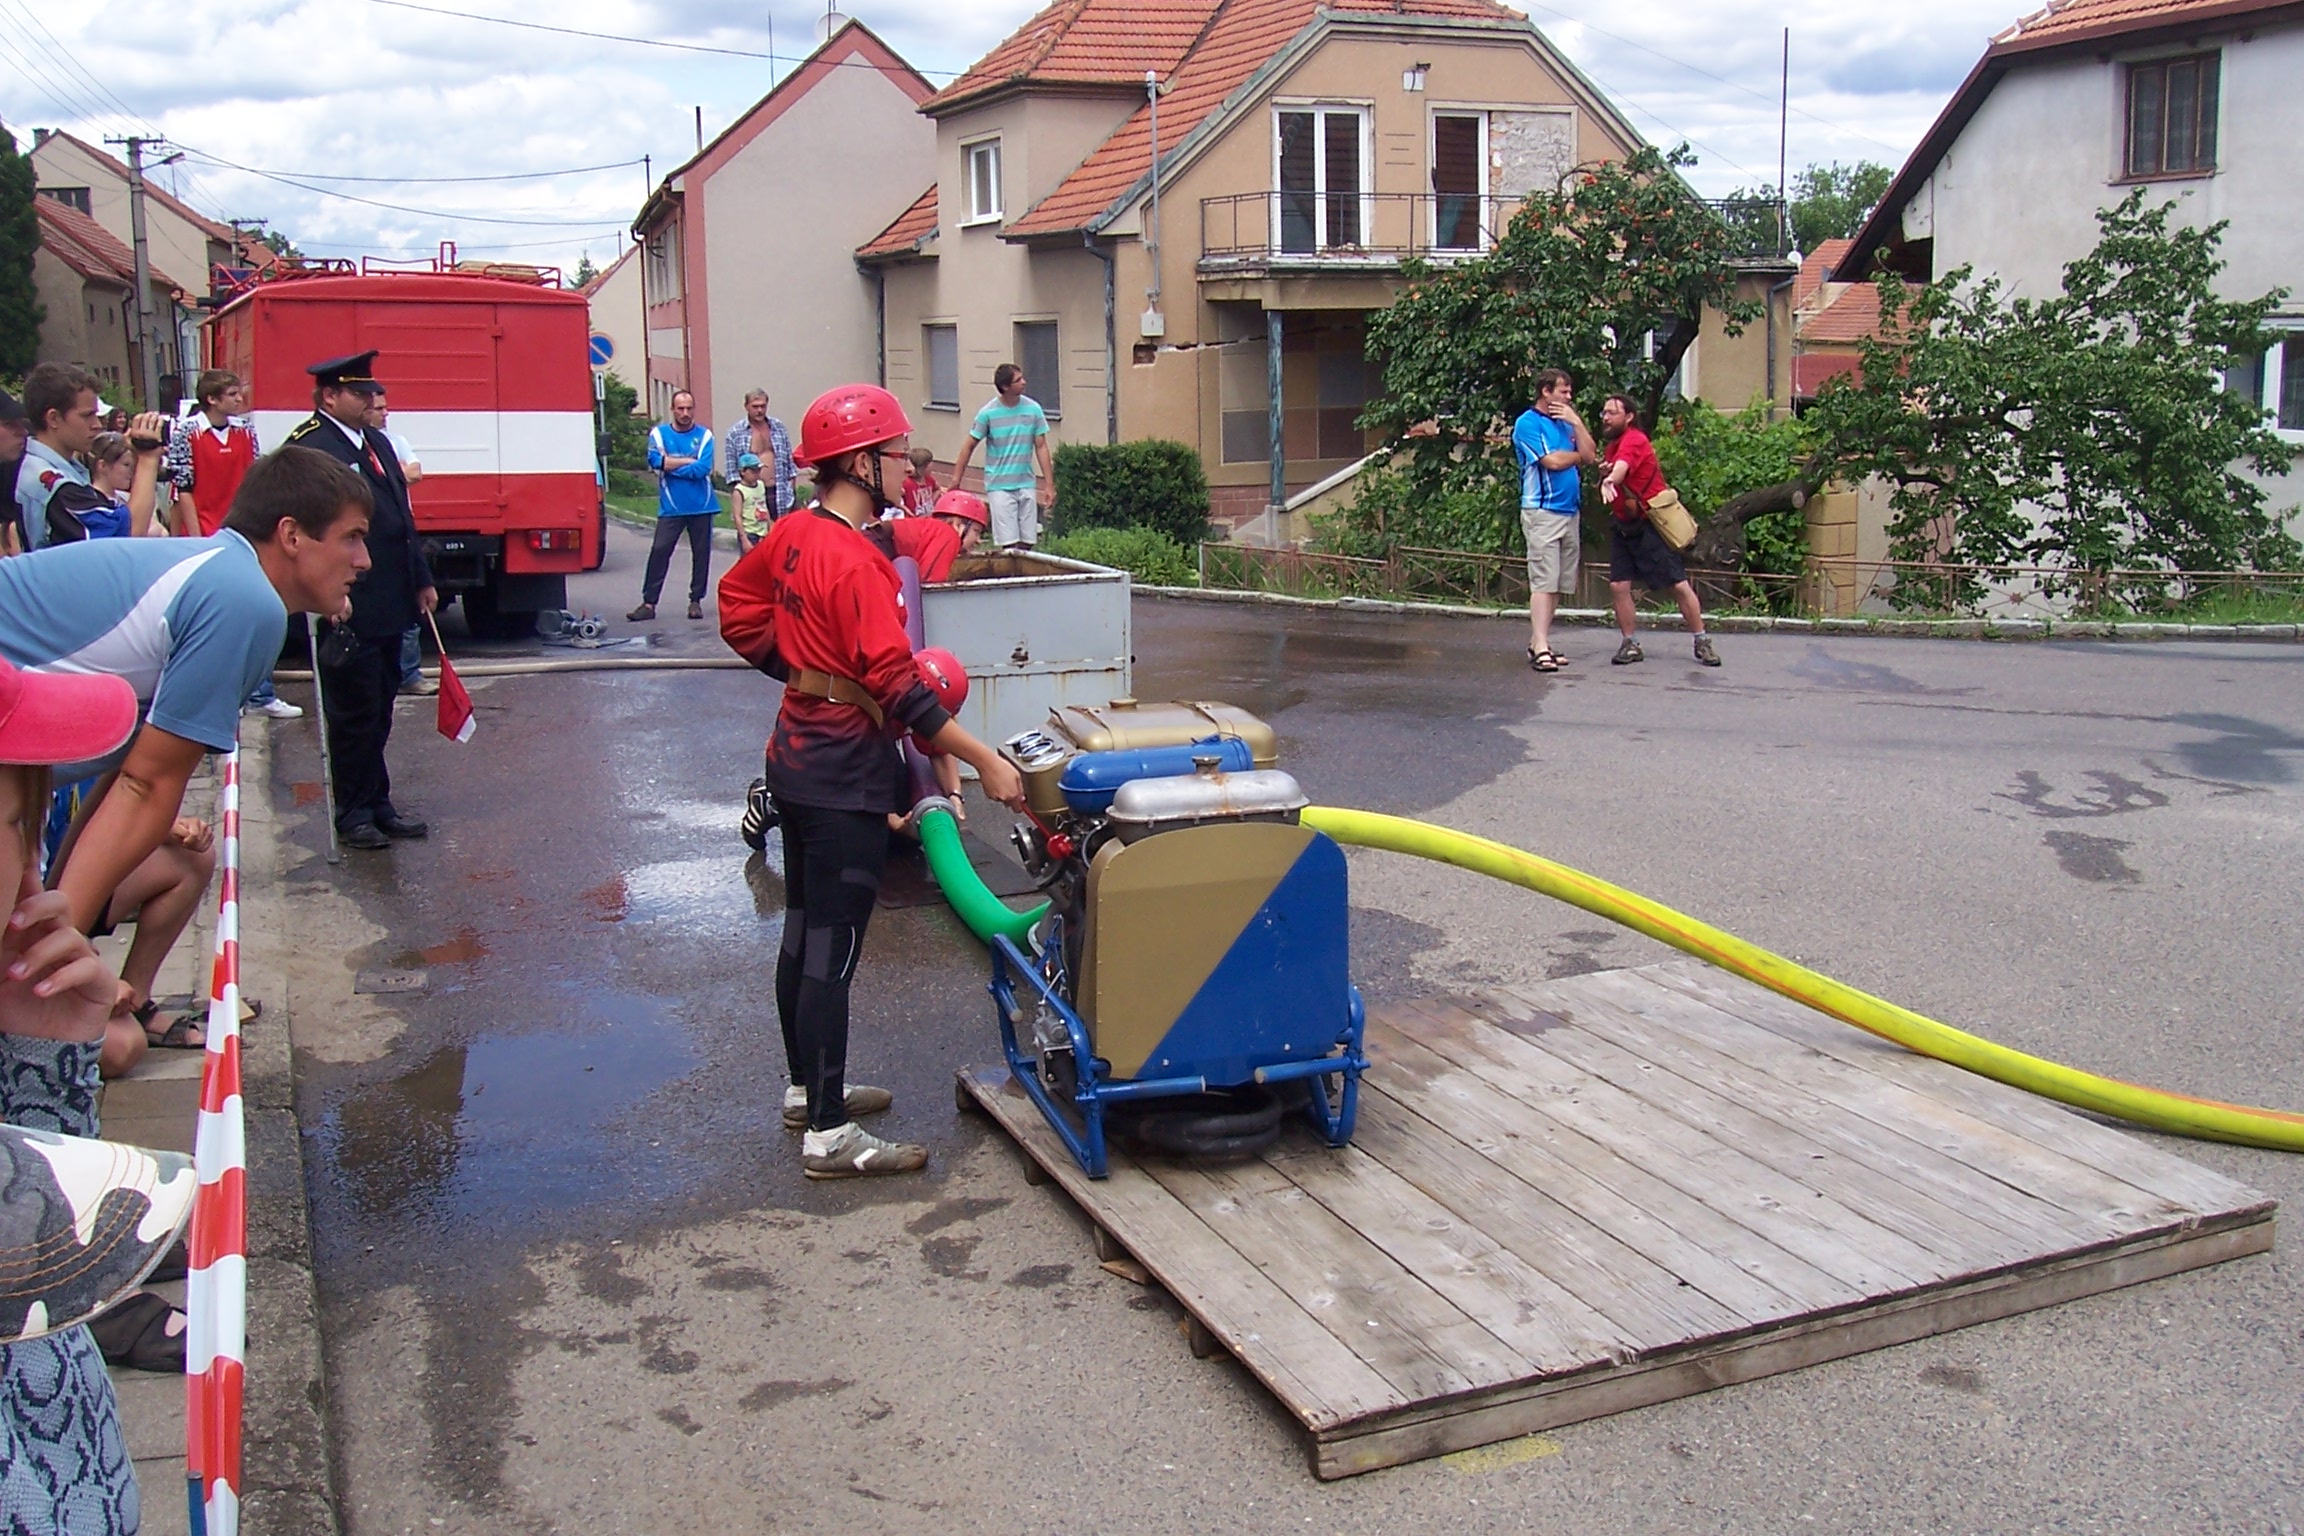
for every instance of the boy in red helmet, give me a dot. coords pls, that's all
(815, 606)
(936, 542)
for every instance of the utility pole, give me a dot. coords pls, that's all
(148, 355)
(1783, 122)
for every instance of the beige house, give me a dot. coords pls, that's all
(85, 280)
(745, 266)
(1305, 149)
(620, 314)
(178, 239)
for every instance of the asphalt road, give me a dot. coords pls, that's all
(572, 1279)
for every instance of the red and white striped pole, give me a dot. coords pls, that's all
(216, 1293)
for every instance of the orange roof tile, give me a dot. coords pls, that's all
(911, 232)
(2070, 20)
(1852, 317)
(1243, 37)
(1086, 42)
(89, 249)
(1813, 269)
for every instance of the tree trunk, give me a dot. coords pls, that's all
(1719, 542)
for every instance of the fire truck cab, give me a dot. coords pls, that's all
(489, 383)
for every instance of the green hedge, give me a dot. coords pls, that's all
(636, 484)
(1144, 553)
(1155, 483)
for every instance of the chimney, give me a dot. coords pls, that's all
(40, 136)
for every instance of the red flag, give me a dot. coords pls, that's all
(455, 704)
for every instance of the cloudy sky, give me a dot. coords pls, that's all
(360, 126)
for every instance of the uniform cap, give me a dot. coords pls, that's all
(12, 409)
(357, 371)
(50, 718)
(81, 1224)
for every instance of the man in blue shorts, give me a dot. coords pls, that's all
(192, 625)
(1550, 440)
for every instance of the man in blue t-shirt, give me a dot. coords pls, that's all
(192, 625)
(1550, 440)
(680, 451)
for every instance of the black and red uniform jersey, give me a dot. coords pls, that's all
(931, 541)
(816, 594)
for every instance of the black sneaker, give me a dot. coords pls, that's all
(363, 834)
(392, 824)
(1627, 653)
(760, 816)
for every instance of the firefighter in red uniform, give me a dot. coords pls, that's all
(815, 606)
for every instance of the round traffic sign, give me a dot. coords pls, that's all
(603, 350)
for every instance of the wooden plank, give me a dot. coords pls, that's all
(2124, 1155)
(1545, 1226)
(1776, 1124)
(1828, 1235)
(1691, 1253)
(1485, 1419)
(1405, 1331)
(2013, 1175)
(1316, 1378)
(1518, 1303)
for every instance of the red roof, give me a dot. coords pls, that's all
(911, 232)
(88, 248)
(1243, 36)
(1814, 269)
(1852, 317)
(1086, 43)
(2065, 21)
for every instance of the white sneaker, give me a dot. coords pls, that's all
(861, 1099)
(278, 708)
(852, 1152)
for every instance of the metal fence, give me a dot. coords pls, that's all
(1821, 588)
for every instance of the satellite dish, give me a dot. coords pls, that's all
(830, 22)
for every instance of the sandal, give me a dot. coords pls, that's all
(145, 1333)
(178, 1035)
(1544, 661)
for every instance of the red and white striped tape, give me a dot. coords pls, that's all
(216, 1292)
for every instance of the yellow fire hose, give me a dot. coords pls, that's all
(2174, 1112)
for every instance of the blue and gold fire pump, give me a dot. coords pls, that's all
(1189, 985)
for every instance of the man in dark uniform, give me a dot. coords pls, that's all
(360, 657)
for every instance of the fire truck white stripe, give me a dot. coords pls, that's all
(475, 442)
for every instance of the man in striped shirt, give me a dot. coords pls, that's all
(1019, 477)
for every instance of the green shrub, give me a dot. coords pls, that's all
(632, 483)
(1709, 456)
(1387, 512)
(1144, 553)
(627, 433)
(1155, 483)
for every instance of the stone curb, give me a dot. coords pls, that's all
(1749, 624)
(288, 1471)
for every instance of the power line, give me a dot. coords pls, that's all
(440, 181)
(101, 90)
(637, 42)
(428, 213)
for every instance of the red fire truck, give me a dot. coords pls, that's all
(491, 385)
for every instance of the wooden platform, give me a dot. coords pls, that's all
(1624, 1188)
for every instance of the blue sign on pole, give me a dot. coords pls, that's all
(603, 350)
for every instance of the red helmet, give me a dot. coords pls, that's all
(945, 677)
(845, 419)
(966, 505)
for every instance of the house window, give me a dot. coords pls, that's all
(982, 165)
(1321, 173)
(663, 271)
(2273, 382)
(1043, 365)
(941, 343)
(2172, 116)
(70, 197)
(1459, 181)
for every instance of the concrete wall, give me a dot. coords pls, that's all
(2017, 194)
(86, 323)
(785, 306)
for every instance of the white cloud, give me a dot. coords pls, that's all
(355, 88)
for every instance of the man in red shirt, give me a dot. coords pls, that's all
(1636, 551)
(815, 606)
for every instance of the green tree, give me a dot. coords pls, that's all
(1831, 202)
(1608, 278)
(20, 311)
(281, 246)
(627, 433)
(2083, 431)
(585, 271)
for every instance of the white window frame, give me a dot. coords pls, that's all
(1366, 112)
(928, 398)
(970, 149)
(1432, 164)
(2274, 365)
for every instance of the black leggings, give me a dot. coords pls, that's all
(832, 864)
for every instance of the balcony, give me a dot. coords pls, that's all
(1253, 234)
(1260, 234)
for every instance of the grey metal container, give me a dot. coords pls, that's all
(1144, 806)
(1036, 633)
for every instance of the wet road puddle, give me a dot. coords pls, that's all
(724, 889)
(505, 1122)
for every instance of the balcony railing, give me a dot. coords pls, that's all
(1258, 231)
(1346, 229)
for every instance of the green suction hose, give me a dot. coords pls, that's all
(984, 913)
